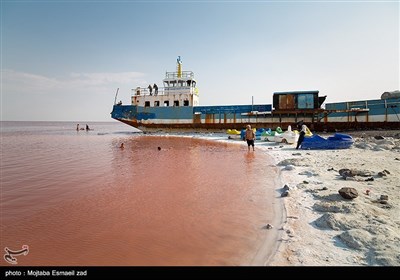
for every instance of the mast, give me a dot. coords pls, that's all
(179, 67)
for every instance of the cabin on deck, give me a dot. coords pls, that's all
(297, 100)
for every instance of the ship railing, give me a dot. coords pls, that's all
(175, 75)
(253, 113)
(162, 91)
(145, 91)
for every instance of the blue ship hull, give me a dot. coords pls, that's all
(374, 114)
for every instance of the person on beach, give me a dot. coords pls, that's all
(250, 137)
(77, 127)
(303, 129)
(87, 128)
(155, 89)
(122, 146)
(150, 89)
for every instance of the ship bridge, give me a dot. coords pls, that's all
(179, 90)
(182, 82)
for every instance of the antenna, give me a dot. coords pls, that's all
(115, 100)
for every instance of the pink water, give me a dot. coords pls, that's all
(75, 198)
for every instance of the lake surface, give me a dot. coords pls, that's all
(76, 198)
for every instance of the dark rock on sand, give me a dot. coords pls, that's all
(348, 193)
(384, 197)
(285, 193)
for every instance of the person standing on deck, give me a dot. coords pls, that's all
(155, 89)
(150, 89)
(250, 137)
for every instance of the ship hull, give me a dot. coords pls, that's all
(376, 114)
(221, 127)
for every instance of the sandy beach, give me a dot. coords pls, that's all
(318, 226)
(321, 227)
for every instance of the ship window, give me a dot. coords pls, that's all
(147, 104)
(166, 103)
(176, 103)
(156, 103)
(186, 103)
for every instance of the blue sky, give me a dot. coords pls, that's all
(64, 60)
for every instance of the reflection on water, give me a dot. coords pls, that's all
(84, 201)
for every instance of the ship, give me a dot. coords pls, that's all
(176, 106)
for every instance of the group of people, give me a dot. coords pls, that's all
(77, 128)
(155, 87)
(250, 136)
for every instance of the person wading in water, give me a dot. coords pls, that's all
(250, 137)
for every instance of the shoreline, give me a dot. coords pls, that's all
(320, 228)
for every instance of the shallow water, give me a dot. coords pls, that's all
(76, 198)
